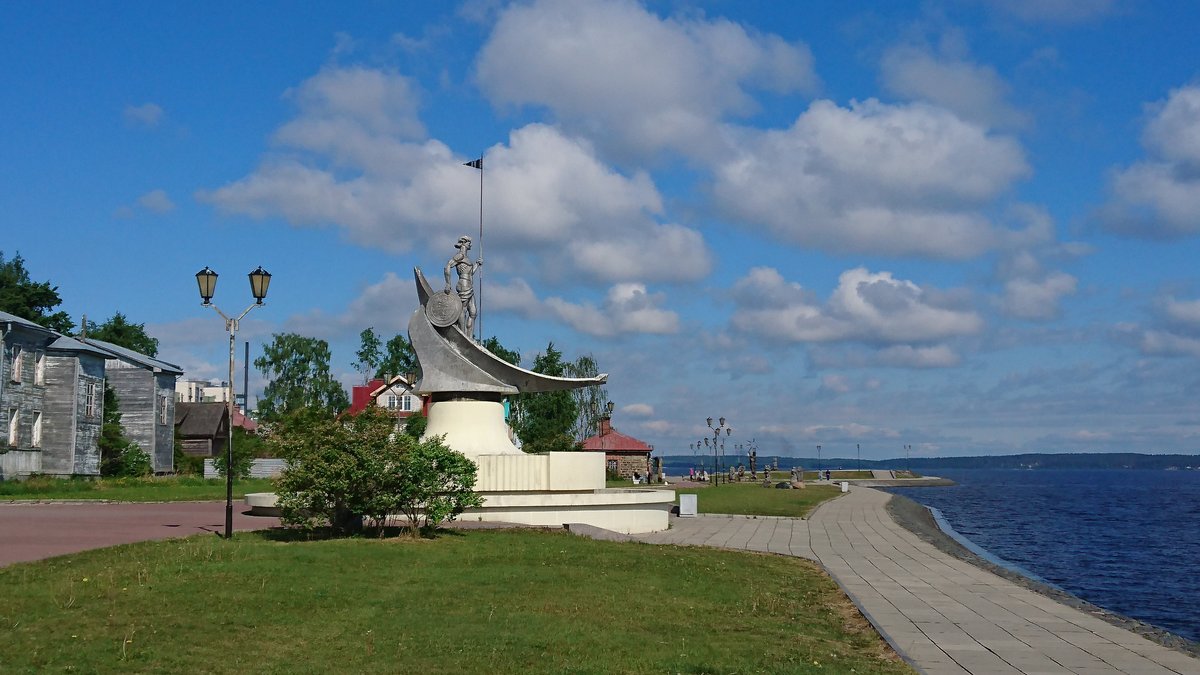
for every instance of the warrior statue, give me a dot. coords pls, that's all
(466, 282)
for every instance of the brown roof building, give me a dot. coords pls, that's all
(203, 428)
(623, 455)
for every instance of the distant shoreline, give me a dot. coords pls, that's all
(916, 518)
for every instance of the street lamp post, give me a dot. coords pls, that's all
(858, 449)
(717, 443)
(206, 279)
(818, 462)
(907, 461)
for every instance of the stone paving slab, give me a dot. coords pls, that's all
(943, 615)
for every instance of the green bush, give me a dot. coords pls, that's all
(343, 472)
(246, 447)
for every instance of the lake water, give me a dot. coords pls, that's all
(1128, 541)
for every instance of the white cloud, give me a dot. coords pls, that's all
(835, 384)
(156, 201)
(638, 410)
(1185, 312)
(866, 307)
(1037, 298)
(627, 77)
(1173, 329)
(1160, 195)
(974, 92)
(874, 178)
(627, 308)
(352, 158)
(147, 114)
(907, 356)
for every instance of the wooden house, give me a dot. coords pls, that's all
(52, 399)
(145, 389)
(203, 428)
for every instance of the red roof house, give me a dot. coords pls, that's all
(396, 395)
(623, 455)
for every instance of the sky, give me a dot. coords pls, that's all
(968, 226)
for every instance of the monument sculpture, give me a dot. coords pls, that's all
(466, 385)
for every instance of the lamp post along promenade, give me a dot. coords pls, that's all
(206, 279)
(718, 444)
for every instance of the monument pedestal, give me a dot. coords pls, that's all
(550, 489)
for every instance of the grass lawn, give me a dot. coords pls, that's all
(157, 489)
(751, 499)
(467, 602)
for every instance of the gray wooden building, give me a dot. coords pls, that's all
(145, 389)
(52, 399)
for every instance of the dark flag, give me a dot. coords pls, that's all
(475, 164)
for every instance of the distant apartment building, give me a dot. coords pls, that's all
(201, 391)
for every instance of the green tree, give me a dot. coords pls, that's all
(119, 456)
(546, 418)
(514, 357)
(119, 331)
(416, 424)
(246, 446)
(343, 472)
(298, 376)
(493, 345)
(399, 358)
(31, 300)
(589, 401)
(369, 354)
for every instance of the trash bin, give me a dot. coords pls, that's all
(687, 506)
(845, 486)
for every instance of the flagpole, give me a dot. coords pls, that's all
(479, 317)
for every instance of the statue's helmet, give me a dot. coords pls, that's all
(463, 242)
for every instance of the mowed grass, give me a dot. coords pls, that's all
(154, 489)
(521, 601)
(752, 499)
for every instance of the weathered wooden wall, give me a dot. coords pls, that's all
(60, 414)
(164, 432)
(138, 389)
(87, 428)
(26, 397)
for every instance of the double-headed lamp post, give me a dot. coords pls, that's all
(206, 279)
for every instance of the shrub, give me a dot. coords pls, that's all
(246, 447)
(343, 472)
(416, 424)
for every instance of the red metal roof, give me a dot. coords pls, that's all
(611, 440)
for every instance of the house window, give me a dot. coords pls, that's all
(13, 419)
(611, 466)
(162, 409)
(35, 439)
(89, 402)
(15, 371)
(393, 401)
(39, 369)
(406, 403)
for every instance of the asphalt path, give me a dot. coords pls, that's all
(37, 530)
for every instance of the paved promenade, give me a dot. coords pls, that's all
(32, 531)
(941, 614)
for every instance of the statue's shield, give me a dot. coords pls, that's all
(443, 309)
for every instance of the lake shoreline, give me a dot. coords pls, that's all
(916, 518)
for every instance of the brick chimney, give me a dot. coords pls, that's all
(605, 425)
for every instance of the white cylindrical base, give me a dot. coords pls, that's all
(473, 428)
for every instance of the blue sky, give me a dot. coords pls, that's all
(968, 226)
